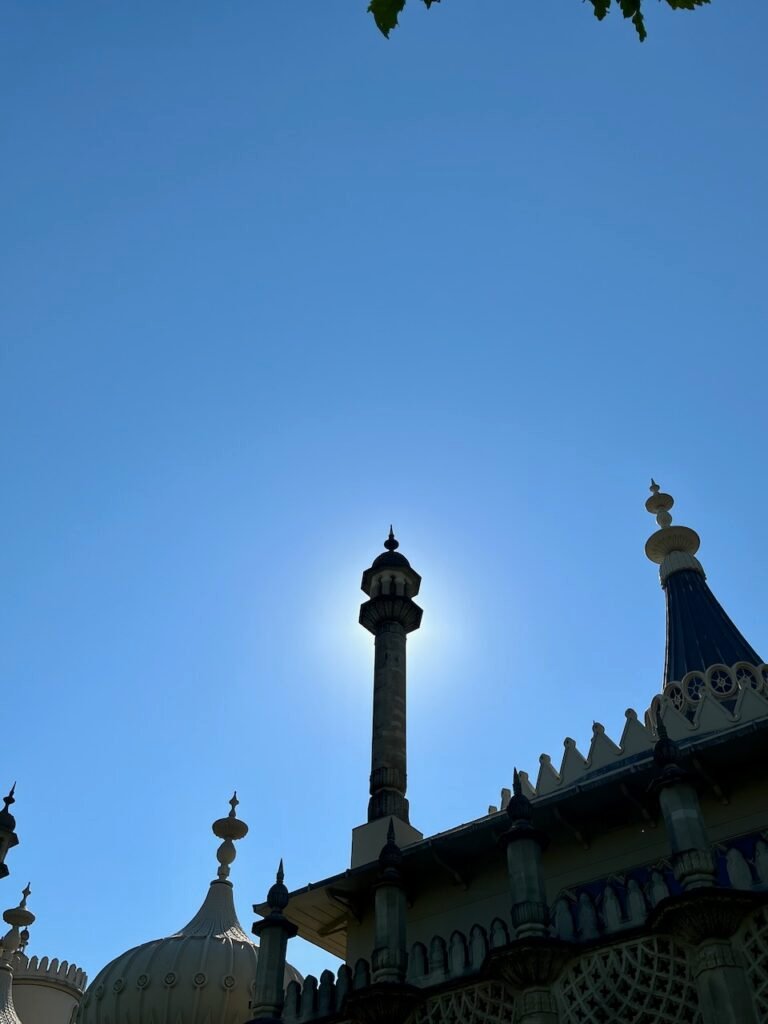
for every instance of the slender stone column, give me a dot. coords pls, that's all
(390, 956)
(535, 960)
(703, 916)
(692, 859)
(725, 995)
(390, 614)
(273, 932)
(524, 845)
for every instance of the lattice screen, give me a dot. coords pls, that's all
(643, 982)
(490, 1003)
(755, 941)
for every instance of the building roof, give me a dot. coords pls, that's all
(204, 972)
(699, 632)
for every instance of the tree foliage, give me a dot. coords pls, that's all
(386, 12)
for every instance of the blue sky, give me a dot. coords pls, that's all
(270, 282)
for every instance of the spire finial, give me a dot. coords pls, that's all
(230, 829)
(18, 918)
(659, 505)
(391, 544)
(390, 857)
(665, 752)
(679, 542)
(10, 799)
(277, 897)
(517, 787)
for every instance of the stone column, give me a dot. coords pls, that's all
(524, 845)
(703, 916)
(725, 995)
(273, 932)
(390, 614)
(389, 960)
(535, 960)
(692, 859)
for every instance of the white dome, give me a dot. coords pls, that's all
(204, 974)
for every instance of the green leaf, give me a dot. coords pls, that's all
(385, 14)
(686, 5)
(639, 23)
(601, 8)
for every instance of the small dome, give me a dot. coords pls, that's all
(205, 972)
(391, 560)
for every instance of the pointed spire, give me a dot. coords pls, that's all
(699, 633)
(7, 820)
(665, 752)
(277, 897)
(391, 856)
(391, 544)
(230, 829)
(519, 806)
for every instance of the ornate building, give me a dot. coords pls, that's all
(629, 886)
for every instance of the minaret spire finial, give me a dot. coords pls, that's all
(671, 547)
(277, 897)
(18, 918)
(230, 829)
(391, 543)
(659, 505)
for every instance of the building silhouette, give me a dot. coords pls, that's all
(628, 885)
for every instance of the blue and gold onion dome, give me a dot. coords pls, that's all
(202, 974)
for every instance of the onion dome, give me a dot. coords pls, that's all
(699, 632)
(204, 972)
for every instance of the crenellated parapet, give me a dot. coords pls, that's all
(42, 971)
(721, 699)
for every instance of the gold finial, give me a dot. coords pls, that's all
(230, 829)
(671, 547)
(659, 505)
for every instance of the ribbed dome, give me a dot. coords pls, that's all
(7, 1011)
(204, 974)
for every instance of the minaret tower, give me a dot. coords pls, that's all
(390, 613)
(699, 632)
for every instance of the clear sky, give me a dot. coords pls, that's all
(270, 283)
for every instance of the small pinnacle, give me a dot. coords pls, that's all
(26, 893)
(654, 486)
(233, 804)
(10, 799)
(390, 543)
(661, 729)
(280, 876)
(391, 831)
(517, 787)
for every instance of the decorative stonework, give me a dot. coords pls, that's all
(645, 982)
(754, 939)
(489, 1003)
(722, 698)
